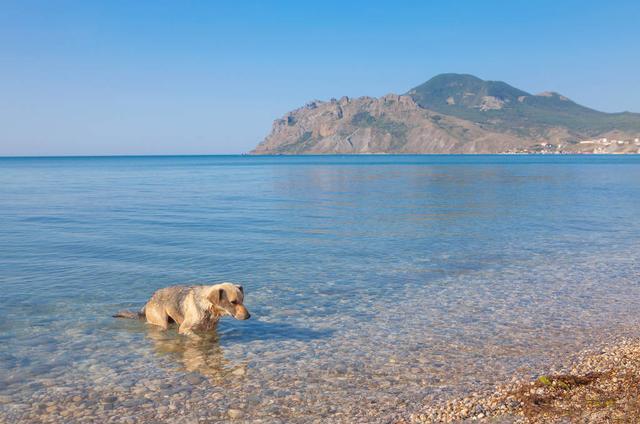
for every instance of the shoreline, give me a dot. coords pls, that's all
(597, 385)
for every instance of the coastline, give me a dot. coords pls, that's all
(599, 385)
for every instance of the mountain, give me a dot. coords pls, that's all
(503, 107)
(453, 113)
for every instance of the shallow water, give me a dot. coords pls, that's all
(375, 283)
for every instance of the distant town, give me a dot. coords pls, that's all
(595, 146)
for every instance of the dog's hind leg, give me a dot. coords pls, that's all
(175, 315)
(157, 316)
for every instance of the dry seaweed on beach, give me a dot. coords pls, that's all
(599, 387)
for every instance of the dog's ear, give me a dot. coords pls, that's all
(216, 296)
(240, 288)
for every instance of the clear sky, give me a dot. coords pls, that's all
(206, 77)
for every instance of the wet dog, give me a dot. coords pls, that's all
(193, 308)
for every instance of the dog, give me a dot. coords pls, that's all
(193, 308)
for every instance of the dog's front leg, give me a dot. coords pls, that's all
(186, 329)
(192, 317)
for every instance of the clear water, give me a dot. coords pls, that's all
(376, 283)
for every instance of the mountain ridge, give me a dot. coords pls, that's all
(453, 113)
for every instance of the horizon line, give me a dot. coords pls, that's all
(304, 155)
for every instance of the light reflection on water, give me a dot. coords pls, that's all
(373, 282)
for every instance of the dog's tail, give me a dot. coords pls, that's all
(130, 314)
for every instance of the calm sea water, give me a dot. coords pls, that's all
(375, 283)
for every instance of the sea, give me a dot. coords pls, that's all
(376, 284)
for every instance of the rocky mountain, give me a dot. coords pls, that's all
(453, 113)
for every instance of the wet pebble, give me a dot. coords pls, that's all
(239, 371)
(341, 369)
(108, 399)
(139, 390)
(194, 379)
(132, 403)
(234, 414)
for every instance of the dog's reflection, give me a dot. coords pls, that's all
(202, 355)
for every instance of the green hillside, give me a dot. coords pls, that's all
(498, 105)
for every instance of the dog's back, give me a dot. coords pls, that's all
(173, 296)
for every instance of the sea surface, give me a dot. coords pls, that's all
(376, 284)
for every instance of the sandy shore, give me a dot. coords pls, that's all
(598, 386)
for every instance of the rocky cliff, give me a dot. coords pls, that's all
(452, 113)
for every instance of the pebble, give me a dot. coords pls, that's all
(139, 390)
(239, 371)
(234, 414)
(194, 379)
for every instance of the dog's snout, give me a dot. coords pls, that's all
(242, 313)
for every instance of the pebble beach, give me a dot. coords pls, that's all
(598, 386)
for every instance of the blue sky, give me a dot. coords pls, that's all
(188, 77)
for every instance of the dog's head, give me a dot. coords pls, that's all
(227, 299)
